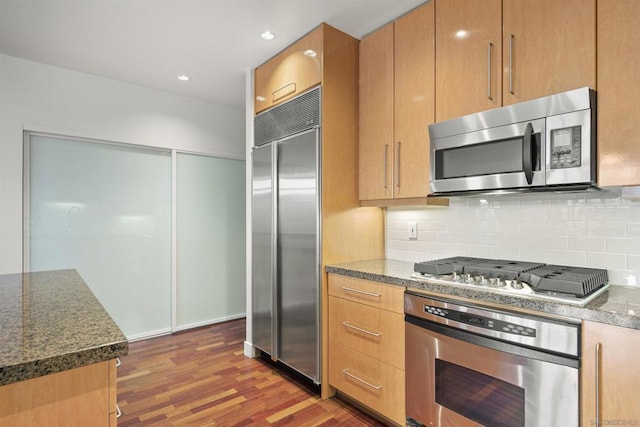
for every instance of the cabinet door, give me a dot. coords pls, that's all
(289, 73)
(549, 47)
(609, 365)
(618, 92)
(468, 57)
(413, 101)
(376, 115)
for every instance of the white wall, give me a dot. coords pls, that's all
(570, 229)
(44, 98)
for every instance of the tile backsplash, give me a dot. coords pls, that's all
(600, 230)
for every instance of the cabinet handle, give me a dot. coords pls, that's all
(375, 387)
(597, 374)
(384, 165)
(489, 48)
(358, 291)
(118, 411)
(511, 37)
(349, 325)
(398, 165)
(273, 94)
(118, 362)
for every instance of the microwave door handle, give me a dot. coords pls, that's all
(527, 153)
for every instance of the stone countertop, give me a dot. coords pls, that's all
(49, 322)
(619, 305)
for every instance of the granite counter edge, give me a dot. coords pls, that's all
(63, 362)
(566, 310)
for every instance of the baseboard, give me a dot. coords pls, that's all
(209, 322)
(250, 350)
(147, 335)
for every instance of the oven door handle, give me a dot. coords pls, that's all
(528, 154)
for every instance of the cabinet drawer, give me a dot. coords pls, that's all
(367, 380)
(290, 72)
(369, 330)
(388, 297)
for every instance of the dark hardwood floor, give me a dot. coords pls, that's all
(202, 378)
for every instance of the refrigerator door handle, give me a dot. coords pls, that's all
(274, 255)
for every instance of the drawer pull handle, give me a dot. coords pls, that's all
(118, 411)
(118, 362)
(358, 291)
(275, 95)
(349, 374)
(349, 325)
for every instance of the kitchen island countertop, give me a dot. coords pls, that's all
(619, 305)
(50, 322)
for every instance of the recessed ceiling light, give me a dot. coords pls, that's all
(310, 52)
(268, 35)
(183, 77)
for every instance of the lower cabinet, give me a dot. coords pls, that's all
(79, 397)
(610, 375)
(366, 344)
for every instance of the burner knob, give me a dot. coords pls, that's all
(500, 283)
(517, 285)
(482, 280)
(493, 281)
(455, 276)
(468, 278)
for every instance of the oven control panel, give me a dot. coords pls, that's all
(480, 321)
(565, 147)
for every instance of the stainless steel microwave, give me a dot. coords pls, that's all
(545, 144)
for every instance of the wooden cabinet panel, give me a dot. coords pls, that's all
(370, 381)
(396, 106)
(289, 73)
(468, 57)
(387, 297)
(553, 47)
(618, 92)
(376, 115)
(614, 351)
(77, 397)
(369, 330)
(414, 108)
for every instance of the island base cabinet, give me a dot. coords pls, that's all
(80, 397)
(610, 375)
(369, 381)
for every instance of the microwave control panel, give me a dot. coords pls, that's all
(565, 147)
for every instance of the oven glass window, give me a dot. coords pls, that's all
(495, 157)
(479, 397)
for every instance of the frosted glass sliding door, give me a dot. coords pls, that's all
(104, 210)
(210, 239)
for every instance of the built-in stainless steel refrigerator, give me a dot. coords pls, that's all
(286, 227)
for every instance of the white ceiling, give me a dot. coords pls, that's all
(151, 42)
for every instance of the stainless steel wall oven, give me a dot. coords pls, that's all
(468, 365)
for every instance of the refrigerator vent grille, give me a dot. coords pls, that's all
(292, 117)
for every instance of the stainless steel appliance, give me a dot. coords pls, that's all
(560, 283)
(286, 229)
(469, 365)
(539, 145)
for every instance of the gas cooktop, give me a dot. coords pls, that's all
(571, 285)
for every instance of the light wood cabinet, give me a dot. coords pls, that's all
(291, 72)
(396, 105)
(366, 344)
(610, 375)
(546, 47)
(84, 396)
(618, 92)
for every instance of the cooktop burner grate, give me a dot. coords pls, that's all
(573, 282)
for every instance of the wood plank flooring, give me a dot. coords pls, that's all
(202, 378)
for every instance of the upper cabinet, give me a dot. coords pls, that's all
(618, 94)
(538, 48)
(396, 105)
(291, 72)
(468, 57)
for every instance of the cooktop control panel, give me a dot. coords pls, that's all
(480, 321)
